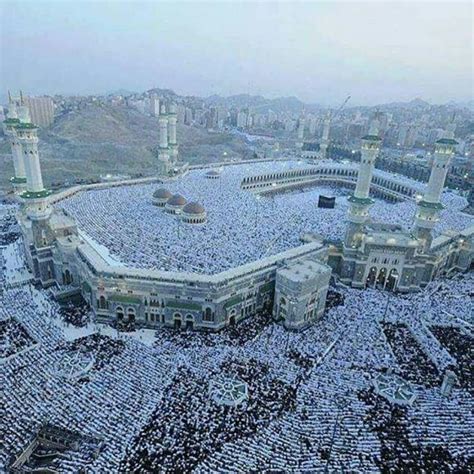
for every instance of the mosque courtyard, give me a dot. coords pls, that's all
(241, 226)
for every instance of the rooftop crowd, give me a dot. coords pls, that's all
(240, 227)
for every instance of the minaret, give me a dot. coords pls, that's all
(300, 133)
(428, 209)
(323, 146)
(12, 110)
(163, 153)
(23, 111)
(360, 202)
(19, 180)
(173, 143)
(35, 194)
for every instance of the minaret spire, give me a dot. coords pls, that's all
(163, 153)
(360, 202)
(429, 208)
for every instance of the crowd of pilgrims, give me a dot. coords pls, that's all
(240, 227)
(311, 402)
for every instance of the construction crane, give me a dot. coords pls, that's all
(341, 107)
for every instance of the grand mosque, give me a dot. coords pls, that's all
(205, 247)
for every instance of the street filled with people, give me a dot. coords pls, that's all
(310, 405)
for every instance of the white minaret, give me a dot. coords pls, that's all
(428, 209)
(12, 110)
(163, 153)
(19, 180)
(173, 143)
(35, 194)
(323, 146)
(23, 111)
(300, 133)
(360, 202)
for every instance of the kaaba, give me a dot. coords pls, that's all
(327, 202)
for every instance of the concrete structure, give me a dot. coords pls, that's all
(41, 110)
(163, 151)
(430, 206)
(172, 141)
(300, 292)
(154, 106)
(300, 133)
(293, 282)
(18, 181)
(360, 202)
(325, 137)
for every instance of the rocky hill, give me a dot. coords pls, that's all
(100, 139)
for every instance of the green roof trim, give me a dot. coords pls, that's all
(447, 141)
(26, 126)
(373, 138)
(125, 299)
(431, 205)
(17, 180)
(233, 301)
(184, 305)
(36, 194)
(357, 200)
(267, 287)
(11, 121)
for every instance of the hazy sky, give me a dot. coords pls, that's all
(318, 51)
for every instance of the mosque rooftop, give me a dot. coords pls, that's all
(241, 227)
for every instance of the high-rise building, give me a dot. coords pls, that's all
(41, 110)
(154, 106)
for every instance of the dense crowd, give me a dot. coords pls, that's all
(310, 407)
(240, 227)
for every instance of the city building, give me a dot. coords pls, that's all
(41, 110)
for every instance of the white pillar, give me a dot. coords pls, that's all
(323, 146)
(163, 124)
(18, 161)
(172, 119)
(444, 151)
(173, 143)
(360, 202)
(27, 136)
(369, 150)
(429, 208)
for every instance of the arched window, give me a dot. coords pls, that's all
(102, 302)
(208, 316)
(119, 313)
(131, 314)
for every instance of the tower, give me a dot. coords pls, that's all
(35, 195)
(173, 143)
(429, 208)
(163, 153)
(18, 181)
(12, 110)
(323, 146)
(300, 133)
(360, 202)
(23, 111)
